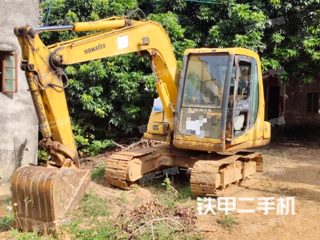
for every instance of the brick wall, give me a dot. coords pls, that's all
(297, 102)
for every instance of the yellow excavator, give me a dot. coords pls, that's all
(215, 104)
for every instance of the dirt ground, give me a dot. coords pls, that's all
(291, 169)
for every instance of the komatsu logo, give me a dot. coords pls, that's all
(99, 47)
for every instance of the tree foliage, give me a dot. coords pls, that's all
(109, 98)
(293, 45)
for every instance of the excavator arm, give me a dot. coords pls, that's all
(43, 66)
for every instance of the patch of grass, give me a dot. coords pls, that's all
(91, 220)
(122, 199)
(30, 236)
(98, 173)
(5, 223)
(227, 222)
(93, 206)
(102, 226)
(185, 194)
(93, 229)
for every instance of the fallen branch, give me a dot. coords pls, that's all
(142, 140)
(156, 220)
(119, 145)
(135, 144)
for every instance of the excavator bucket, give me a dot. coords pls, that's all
(43, 195)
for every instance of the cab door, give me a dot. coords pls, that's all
(243, 108)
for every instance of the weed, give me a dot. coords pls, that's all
(227, 222)
(43, 156)
(168, 184)
(5, 223)
(98, 173)
(171, 194)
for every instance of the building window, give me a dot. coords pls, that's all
(9, 72)
(313, 102)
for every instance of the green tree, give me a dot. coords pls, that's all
(293, 45)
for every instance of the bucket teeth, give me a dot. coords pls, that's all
(42, 196)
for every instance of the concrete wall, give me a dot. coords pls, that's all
(18, 119)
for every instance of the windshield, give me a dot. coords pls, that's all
(205, 80)
(201, 108)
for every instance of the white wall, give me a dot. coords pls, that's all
(18, 119)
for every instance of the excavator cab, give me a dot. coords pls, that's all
(220, 106)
